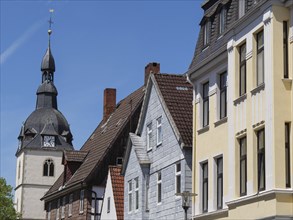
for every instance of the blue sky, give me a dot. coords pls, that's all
(96, 45)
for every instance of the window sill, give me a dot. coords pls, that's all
(240, 99)
(150, 149)
(258, 89)
(204, 129)
(160, 203)
(205, 47)
(221, 121)
(159, 144)
(81, 212)
(212, 214)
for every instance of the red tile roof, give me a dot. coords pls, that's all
(118, 190)
(178, 95)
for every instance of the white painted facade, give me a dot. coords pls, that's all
(108, 212)
(31, 185)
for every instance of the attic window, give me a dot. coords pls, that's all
(181, 88)
(206, 33)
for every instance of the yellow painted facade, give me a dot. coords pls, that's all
(267, 106)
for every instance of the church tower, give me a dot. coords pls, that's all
(42, 139)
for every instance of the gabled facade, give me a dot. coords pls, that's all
(42, 139)
(158, 158)
(113, 202)
(78, 192)
(243, 107)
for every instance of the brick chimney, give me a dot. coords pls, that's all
(151, 68)
(109, 103)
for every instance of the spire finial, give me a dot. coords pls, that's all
(50, 23)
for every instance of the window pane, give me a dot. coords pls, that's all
(220, 165)
(159, 192)
(260, 42)
(137, 199)
(205, 171)
(242, 53)
(130, 202)
(178, 183)
(242, 79)
(45, 170)
(262, 173)
(51, 169)
(261, 143)
(178, 167)
(223, 104)
(205, 113)
(243, 146)
(205, 196)
(260, 67)
(219, 192)
(243, 177)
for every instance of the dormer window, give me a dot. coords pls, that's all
(49, 141)
(206, 33)
(222, 20)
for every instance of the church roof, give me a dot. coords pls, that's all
(101, 142)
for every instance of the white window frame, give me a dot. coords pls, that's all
(129, 195)
(81, 201)
(70, 204)
(159, 131)
(63, 208)
(136, 180)
(177, 174)
(148, 137)
(159, 186)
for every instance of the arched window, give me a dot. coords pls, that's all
(48, 168)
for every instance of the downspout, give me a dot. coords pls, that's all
(193, 143)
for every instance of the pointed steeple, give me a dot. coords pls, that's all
(48, 62)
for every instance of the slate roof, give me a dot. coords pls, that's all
(118, 190)
(178, 95)
(101, 140)
(218, 43)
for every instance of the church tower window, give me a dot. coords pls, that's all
(48, 168)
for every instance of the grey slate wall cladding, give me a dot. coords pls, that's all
(163, 158)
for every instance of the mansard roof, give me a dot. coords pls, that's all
(218, 42)
(101, 142)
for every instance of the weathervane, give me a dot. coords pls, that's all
(50, 23)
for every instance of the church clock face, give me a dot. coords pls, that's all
(49, 141)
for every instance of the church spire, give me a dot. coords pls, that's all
(48, 62)
(47, 92)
